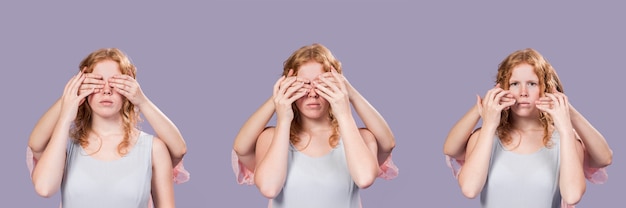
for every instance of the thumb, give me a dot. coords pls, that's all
(290, 72)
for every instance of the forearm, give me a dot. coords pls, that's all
(41, 133)
(162, 186)
(48, 173)
(456, 141)
(572, 180)
(245, 141)
(271, 170)
(362, 162)
(375, 123)
(165, 130)
(600, 154)
(473, 175)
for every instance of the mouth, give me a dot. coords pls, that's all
(106, 102)
(523, 104)
(313, 105)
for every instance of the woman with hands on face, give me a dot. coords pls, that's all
(315, 156)
(527, 153)
(89, 141)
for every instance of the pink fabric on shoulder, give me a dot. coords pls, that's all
(388, 170)
(181, 175)
(454, 165)
(242, 174)
(30, 161)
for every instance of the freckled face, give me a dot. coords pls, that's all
(524, 85)
(107, 102)
(311, 104)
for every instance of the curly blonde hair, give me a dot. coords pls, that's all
(130, 117)
(320, 54)
(548, 80)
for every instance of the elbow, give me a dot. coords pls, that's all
(608, 160)
(181, 153)
(365, 183)
(386, 145)
(573, 198)
(268, 192)
(468, 190)
(573, 195)
(469, 193)
(44, 191)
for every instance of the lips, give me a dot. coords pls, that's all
(106, 102)
(523, 104)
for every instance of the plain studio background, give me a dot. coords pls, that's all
(209, 65)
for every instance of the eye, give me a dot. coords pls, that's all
(532, 84)
(512, 84)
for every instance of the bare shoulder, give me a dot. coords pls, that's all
(472, 139)
(266, 135)
(159, 149)
(367, 135)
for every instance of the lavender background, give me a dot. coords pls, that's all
(209, 65)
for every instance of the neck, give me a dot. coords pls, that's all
(105, 126)
(316, 125)
(526, 123)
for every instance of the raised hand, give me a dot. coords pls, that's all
(333, 89)
(72, 99)
(287, 90)
(496, 100)
(557, 105)
(129, 88)
(91, 82)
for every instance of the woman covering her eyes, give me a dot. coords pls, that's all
(315, 156)
(88, 144)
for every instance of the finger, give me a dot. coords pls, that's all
(282, 89)
(277, 85)
(330, 84)
(75, 83)
(479, 103)
(85, 94)
(93, 76)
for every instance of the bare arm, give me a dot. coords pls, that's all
(48, 173)
(374, 122)
(166, 131)
(41, 133)
(456, 141)
(164, 128)
(246, 139)
(40, 136)
(361, 158)
(162, 186)
(273, 144)
(599, 153)
(571, 176)
(473, 175)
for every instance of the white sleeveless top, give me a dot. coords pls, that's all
(523, 180)
(318, 182)
(122, 183)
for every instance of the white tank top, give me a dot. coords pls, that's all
(122, 183)
(523, 180)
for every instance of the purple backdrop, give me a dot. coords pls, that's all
(209, 65)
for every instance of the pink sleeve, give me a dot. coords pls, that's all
(595, 175)
(30, 161)
(455, 165)
(388, 170)
(180, 174)
(243, 175)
